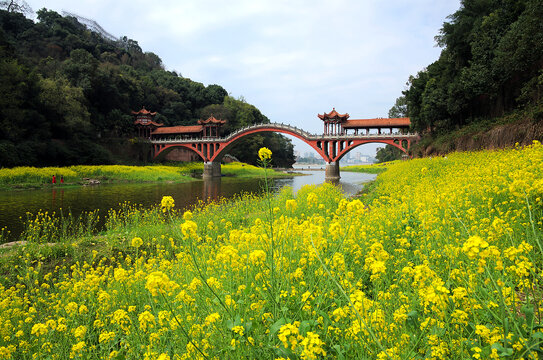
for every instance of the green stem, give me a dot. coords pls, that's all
(370, 331)
(181, 326)
(272, 240)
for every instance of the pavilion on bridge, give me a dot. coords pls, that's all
(209, 128)
(206, 129)
(339, 124)
(147, 128)
(144, 122)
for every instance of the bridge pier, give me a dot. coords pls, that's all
(212, 169)
(331, 171)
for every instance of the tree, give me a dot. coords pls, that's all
(48, 17)
(215, 94)
(490, 64)
(219, 111)
(399, 109)
(65, 104)
(19, 6)
(388, 153)
(130, 45)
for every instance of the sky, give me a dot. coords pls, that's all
(292, 59)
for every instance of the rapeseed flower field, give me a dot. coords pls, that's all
(121, 173)
(442, 260)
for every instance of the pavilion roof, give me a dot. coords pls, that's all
(333, 115)
(211, 120)
(144, 111)
(147, 123)
(178, 130)
(378, 122)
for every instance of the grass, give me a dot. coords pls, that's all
(31, 177)
(242, 170)
(369, 169)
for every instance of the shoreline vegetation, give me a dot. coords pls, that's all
(442, 258)
(33, 178)
(376, 168)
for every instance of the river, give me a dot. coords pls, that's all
(14, 205)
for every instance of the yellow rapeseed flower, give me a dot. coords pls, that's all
(167, 203)
(137, 242)
(158, 282)
(264, 154)
(39, 329)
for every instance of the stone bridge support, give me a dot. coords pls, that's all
(331, 172)
(212, 169)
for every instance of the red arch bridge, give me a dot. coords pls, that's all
(330, 147)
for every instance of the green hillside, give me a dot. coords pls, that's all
(67, 93)
(486, 88)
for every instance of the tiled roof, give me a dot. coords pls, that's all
(144, 111)
(178, 130)
(146, 122)
(333, 115)
(379, 122)
(212, 120)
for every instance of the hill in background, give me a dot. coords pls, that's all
(67, 91)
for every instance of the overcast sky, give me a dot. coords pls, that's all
(291, 59)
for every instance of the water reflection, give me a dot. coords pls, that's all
(350, 182)
(212, 189)
(54, 200)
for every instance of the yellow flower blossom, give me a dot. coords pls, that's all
(264, 154)
(167, 203)
(136, 242)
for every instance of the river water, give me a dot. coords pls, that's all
(14, 205)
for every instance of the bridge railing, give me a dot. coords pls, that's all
(270, 125)
(294, 129)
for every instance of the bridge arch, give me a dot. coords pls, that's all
(300, 134)
(160, 151)
(363, 142)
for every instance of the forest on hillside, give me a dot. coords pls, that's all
(491, 64)
(67, 92)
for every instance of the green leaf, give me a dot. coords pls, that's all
(306, 325)
(501, 350)
(248, 326)
(277, 325)
(528, 311)
(339, 352)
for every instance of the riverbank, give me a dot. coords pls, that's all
(376, 168)
(21, 178)
(442, 260)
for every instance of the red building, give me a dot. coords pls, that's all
(333, 121)
(211, 126)
(191, 131)
(147, 128)
(144, 122)
(339, 124)
(378, 124)
(205, 129)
